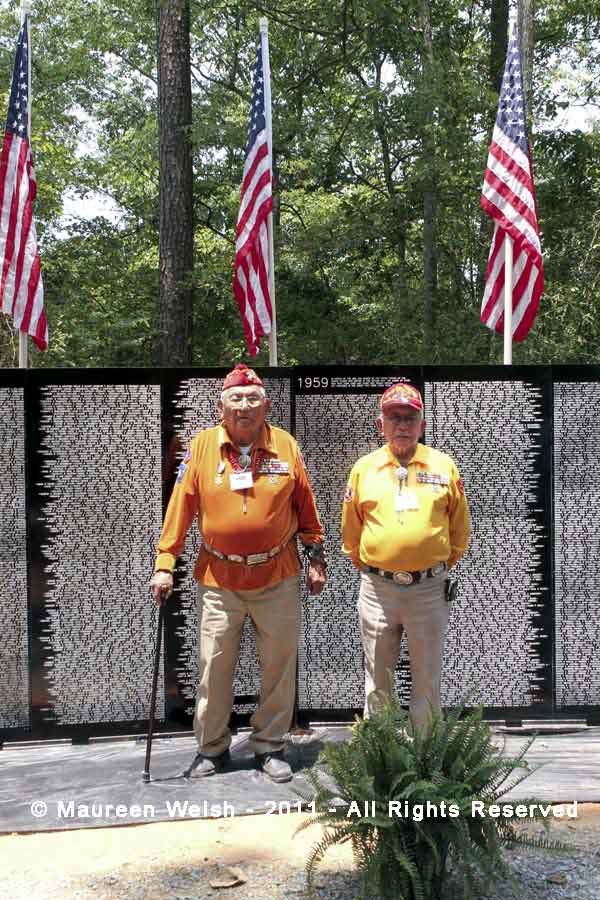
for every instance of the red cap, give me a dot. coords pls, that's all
(401, 394)
(241, 376)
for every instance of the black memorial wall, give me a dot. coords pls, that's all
(89, 459)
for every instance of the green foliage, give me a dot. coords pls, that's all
(365, 124)
(104, 284)
(400, 851)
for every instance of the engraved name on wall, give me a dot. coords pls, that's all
(577, 543)
(14, 662)
(101, 507)
(494, 431)
(333, 431)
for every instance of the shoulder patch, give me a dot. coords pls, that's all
(183, 466)
(460, 486)
(348, 494)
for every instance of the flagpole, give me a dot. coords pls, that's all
(25, 10)
(508, 298)
(508, 253)
(264, 45)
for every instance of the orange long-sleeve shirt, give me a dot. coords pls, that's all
(279, 505)
(436, 528)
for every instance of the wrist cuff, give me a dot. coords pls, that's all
(315, 552)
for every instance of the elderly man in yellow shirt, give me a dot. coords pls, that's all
(405, 522)
(246, 483)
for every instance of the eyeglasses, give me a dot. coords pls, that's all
(250, 399)
(409, 419)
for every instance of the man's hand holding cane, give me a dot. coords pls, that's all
(161, 586)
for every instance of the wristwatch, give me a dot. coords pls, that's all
(315, 552)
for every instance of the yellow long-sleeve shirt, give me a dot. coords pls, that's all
(436, 529)
(279, 504)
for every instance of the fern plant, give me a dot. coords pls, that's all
(406, 804)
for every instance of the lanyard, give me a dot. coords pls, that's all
(253, 462)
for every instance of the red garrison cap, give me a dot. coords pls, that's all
(401, 394)
(241, 376)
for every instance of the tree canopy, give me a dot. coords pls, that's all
(382, 114)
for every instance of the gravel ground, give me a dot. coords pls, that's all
(179, 860)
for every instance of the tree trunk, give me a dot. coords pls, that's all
(176, 259)
(430, 260)
(499, 42)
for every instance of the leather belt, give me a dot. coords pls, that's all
(253, 559)
(407, 578)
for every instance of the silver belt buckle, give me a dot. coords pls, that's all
(216, 553)
(233, 557)
(402, 578)
(255, 558)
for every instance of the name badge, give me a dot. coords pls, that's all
(406, 500)
(240, 481)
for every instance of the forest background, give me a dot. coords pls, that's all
(382, 115)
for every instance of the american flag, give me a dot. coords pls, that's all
(251, 265)
(21, 291)
(508, 196)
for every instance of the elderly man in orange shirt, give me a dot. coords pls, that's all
(405, 522)
(246, 482)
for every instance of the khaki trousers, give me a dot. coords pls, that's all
(275, 612)
(385, 611)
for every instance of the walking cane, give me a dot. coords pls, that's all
(161, 616)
